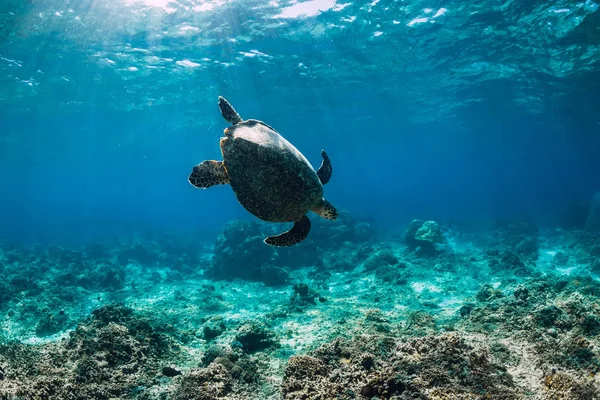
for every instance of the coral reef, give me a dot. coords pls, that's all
(240, 252)
(204, 384)
(506, 261)
(241, 243)
(382, 367)
(112, 354)
(348, 228)
(511, 312)
(214, 327)
(519, 236)
(254, 336)
(424, 236)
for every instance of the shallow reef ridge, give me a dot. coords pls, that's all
(444, 311)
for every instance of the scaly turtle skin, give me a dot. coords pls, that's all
(269, 176)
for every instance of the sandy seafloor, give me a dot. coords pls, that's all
(504, 311)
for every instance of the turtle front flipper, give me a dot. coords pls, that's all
(228, 112)
(209, 173)
(298, 233)
(324, 171)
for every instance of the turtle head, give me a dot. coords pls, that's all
(325, 210)
(228, 112)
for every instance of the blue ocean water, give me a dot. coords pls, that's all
(432, 110)
(464, 113)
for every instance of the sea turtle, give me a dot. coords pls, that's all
(269, 176)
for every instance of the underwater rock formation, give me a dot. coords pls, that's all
(42, 285)
(304, 377)
(424, 235)
(52, 323)
(505, 261)
(241, 243)
(424, 364)
(549, 314)
(113, 354)
(241, 253)
(213, 328)
(329, 235)
(561, 385)
(382, 258)
(387, 266)
(303, 295)
(519, 236)
(347, 257)
(207, 383)
(368, 320)
(441, 367)
(243, 368)
(254, 336)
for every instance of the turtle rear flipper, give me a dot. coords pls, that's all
(324, 171)
(298, 233)
(209, 173)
